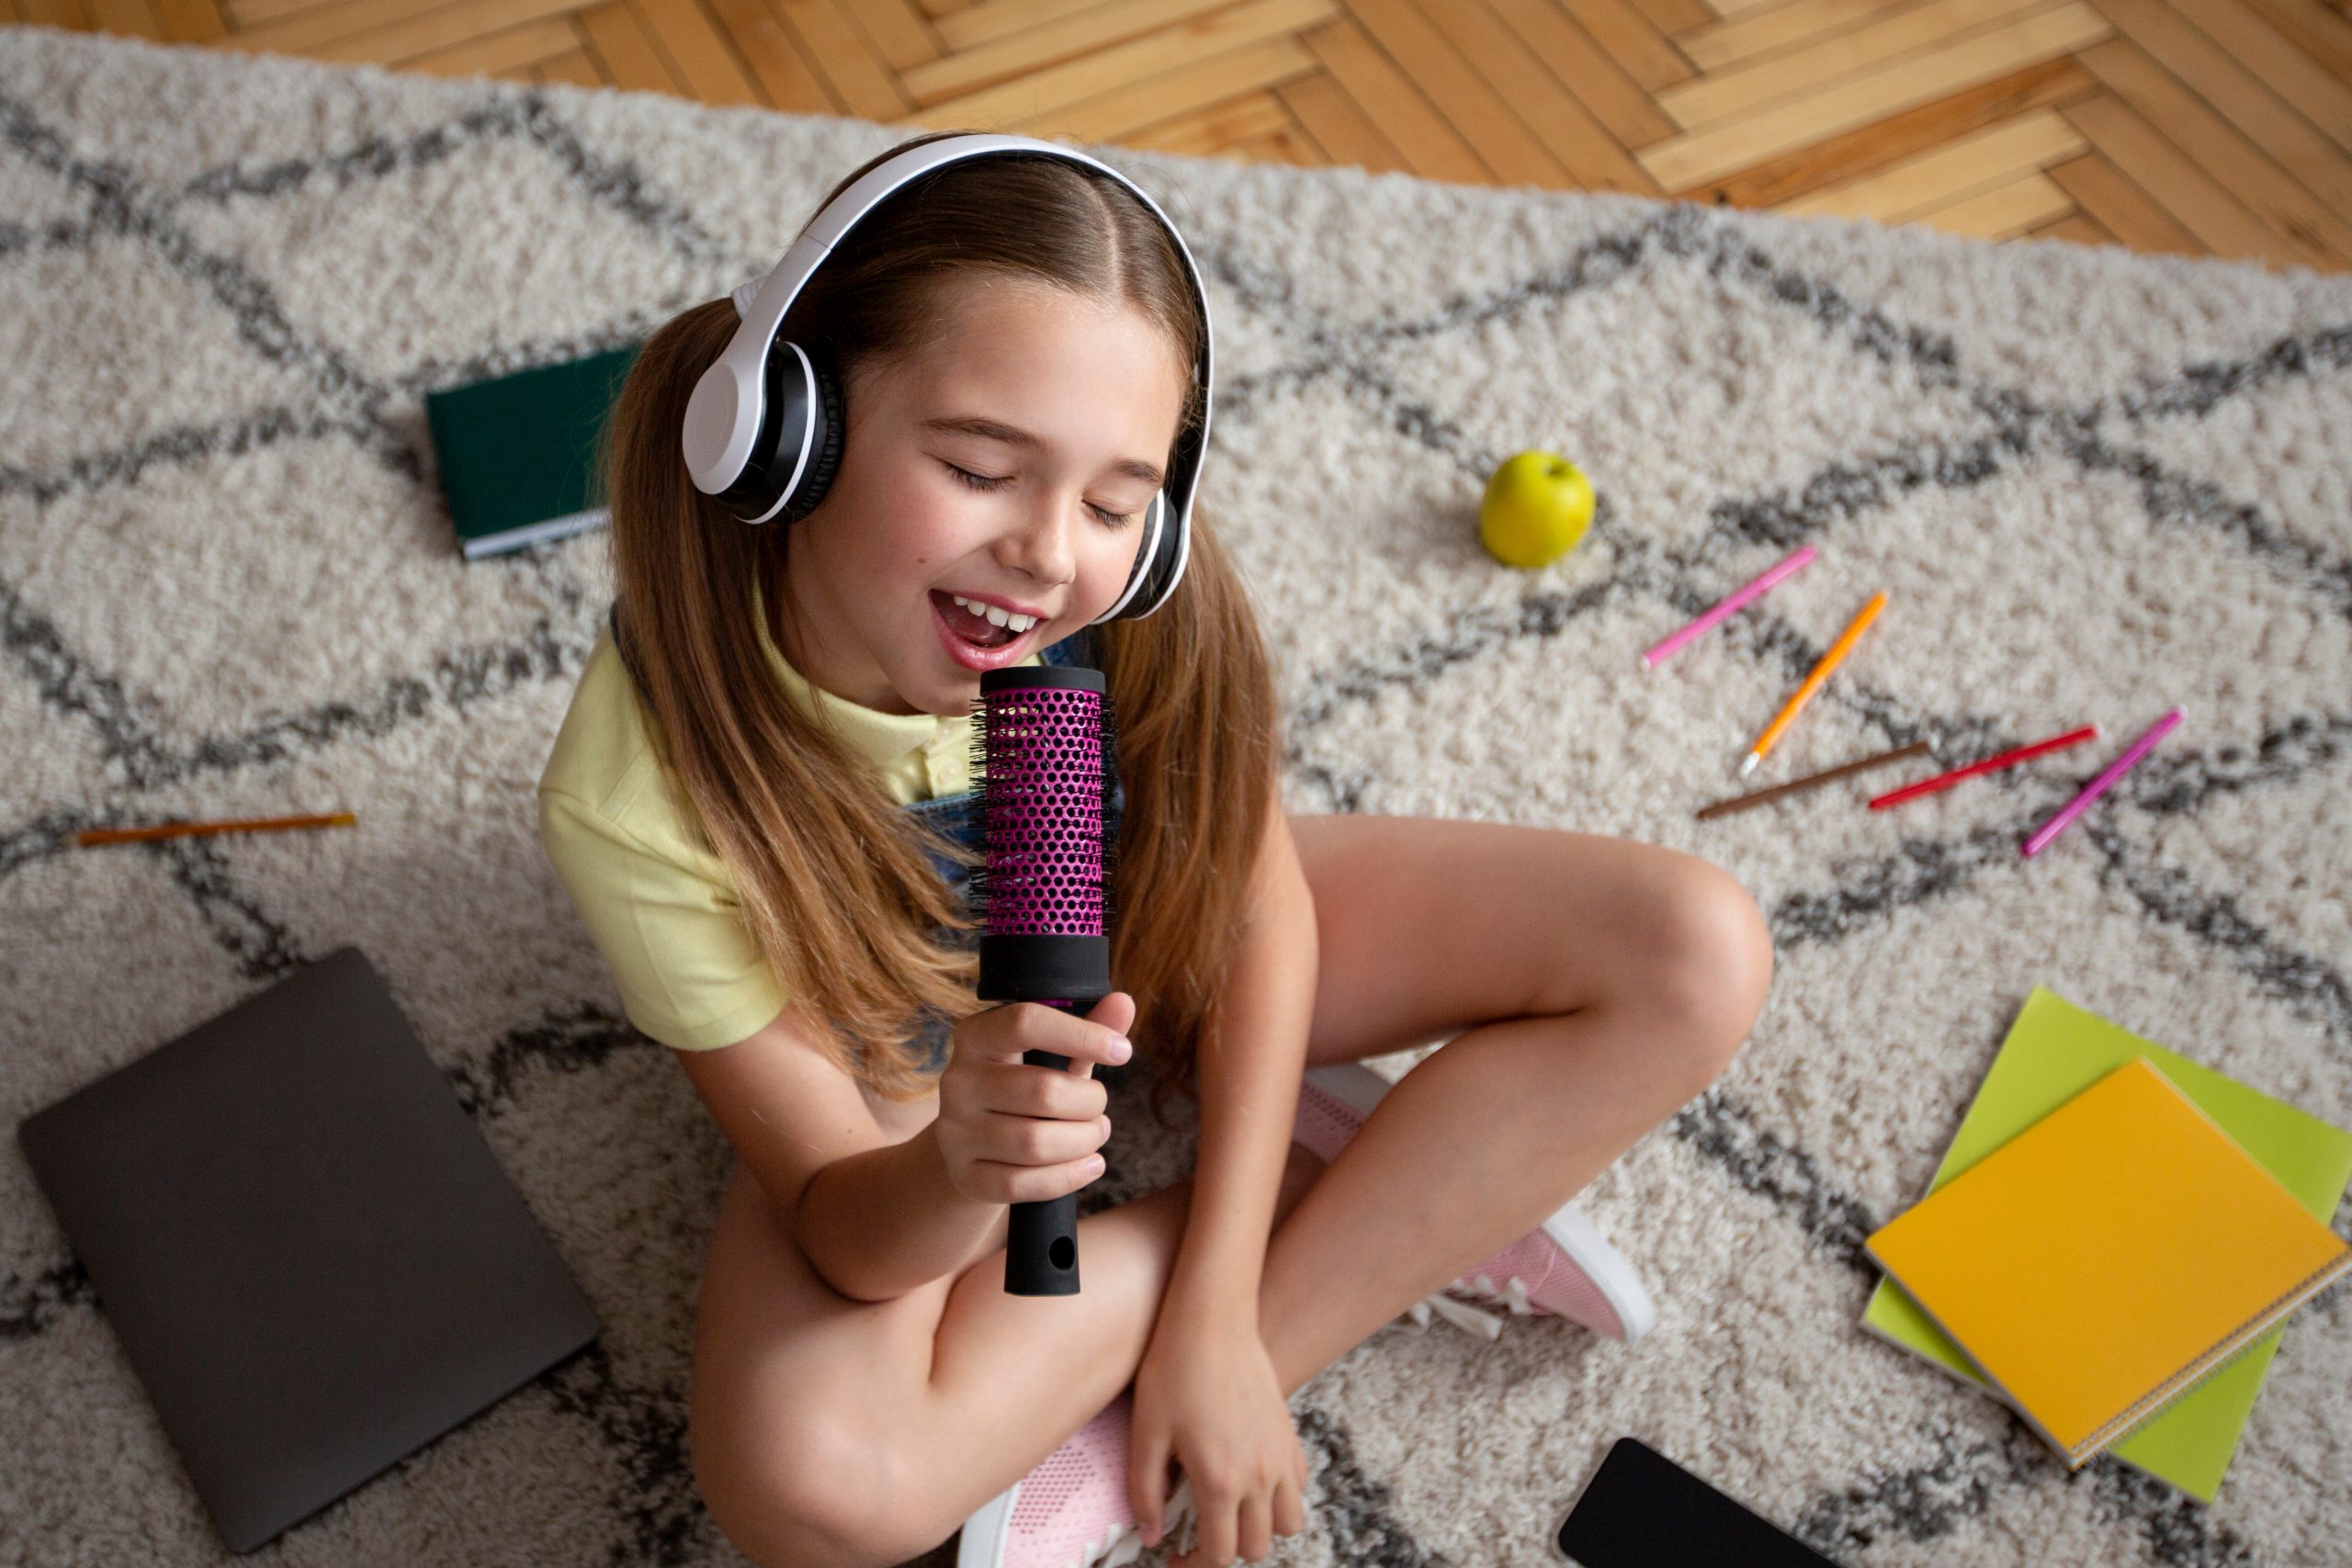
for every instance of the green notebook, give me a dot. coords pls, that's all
(2055, 1051)
(517, 453)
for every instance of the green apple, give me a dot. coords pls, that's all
(1537, 506)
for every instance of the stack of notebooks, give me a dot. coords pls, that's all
(2113, 1244)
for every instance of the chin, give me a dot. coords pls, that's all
(959, 687)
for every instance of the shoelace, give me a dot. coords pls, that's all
(1122, 1544)
(1511, 1296)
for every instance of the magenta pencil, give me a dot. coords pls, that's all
(1722, 607)
(2098, 786)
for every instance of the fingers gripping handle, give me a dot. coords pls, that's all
(1041, 1238)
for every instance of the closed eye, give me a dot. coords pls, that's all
(982, 482)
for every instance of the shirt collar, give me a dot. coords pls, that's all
(887, 737)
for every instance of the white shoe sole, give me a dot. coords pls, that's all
(982, 1545)
(1360, 1089)
(1352, 1084)
(1602, 1264)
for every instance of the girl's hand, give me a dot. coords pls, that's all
(1013, 1131)
(1206, 1398)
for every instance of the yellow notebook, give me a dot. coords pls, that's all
(2109, 1259)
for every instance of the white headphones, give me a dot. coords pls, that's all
(763, 428)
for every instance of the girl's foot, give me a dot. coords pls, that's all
(1072, 1511)
(1563, 1267)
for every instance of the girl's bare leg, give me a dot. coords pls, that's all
(1601, 983)
(1015, 1376)
(826, 1432)
(1417, 1197)
(1604, 984)
(1626, 976)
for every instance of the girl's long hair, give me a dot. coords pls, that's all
(833, 881)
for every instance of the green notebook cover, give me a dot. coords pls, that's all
(2055, 1051)
(517, 453)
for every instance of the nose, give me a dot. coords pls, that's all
(1041, 548)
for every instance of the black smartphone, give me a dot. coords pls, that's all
(1643, 1510)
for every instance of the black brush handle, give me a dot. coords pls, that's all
(1041, 1238)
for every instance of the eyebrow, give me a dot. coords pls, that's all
(997, 429)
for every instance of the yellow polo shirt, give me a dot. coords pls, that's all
(660, 904)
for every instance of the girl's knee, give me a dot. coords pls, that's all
(786, 1483)
(786, 1506)
(1712, 962)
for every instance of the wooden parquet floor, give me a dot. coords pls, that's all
(2203, 126)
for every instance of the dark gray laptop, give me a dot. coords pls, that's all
(313, 1262)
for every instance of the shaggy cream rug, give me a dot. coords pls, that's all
(2095, 485)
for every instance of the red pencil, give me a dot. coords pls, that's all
(2007, 759)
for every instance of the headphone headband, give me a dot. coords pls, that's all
(739, 394)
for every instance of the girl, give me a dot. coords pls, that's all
(760, 802)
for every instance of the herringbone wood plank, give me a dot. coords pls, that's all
(2189, 125)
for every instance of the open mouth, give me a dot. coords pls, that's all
(976, 629)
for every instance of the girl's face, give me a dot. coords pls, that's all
(920, 510)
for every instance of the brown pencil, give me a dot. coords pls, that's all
(183, 829)
(1758, 798)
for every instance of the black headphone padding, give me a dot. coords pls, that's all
(826, 460)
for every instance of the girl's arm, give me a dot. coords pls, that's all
(1253, 1054)
(875, 1216)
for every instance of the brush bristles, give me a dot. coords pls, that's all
(1110, 740)
(1088, 727)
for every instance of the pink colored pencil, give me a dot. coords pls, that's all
(1726, 606)
(2008, 759)
(2098, 786)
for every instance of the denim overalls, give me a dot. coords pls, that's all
(956, 816)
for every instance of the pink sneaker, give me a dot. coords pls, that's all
(1563, 1267)
(1072, 1510)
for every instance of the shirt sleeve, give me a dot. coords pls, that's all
(690, 974)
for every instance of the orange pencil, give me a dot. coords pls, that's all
(1812, 682)
(183, 829)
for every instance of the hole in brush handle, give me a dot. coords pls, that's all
(1041, 1238)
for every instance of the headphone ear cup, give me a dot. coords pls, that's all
(826, 460)
(1150, 554)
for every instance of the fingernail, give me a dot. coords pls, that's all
(1121, 1049)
